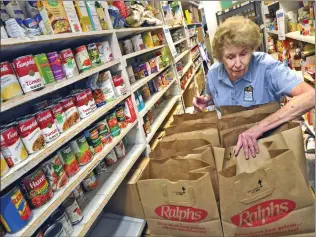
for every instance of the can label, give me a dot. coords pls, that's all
(81, 149)
(94, 54)
(44, 68)
(90, 182)
(78, 192)
(82, 102)
(69, 64)
(94, 141)
(60, 117)
(56, 66)
(82, 58)
(70, 110)
(111, 158)
(104, 132)
(73, 211)
(113, 124)
(120, 115)
(92, 104)
(120, 150)
(29, 76)
(10, 86)
(37, 188)
(69, 160)
(4, 168)
(12, 147)
(47, 124)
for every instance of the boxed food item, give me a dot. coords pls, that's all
(93, 14)
(83, 16)
(72, 16)
(54, 16)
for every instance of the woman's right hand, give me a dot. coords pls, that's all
(201, 102)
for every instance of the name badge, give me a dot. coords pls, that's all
(248, 94)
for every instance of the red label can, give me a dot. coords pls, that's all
(27, 71)
(59, 116)
(69, 63)
(82, 58)
(71, 111)
(10, 86)
(47, 124)
(82, 102)
(92, 104)
(37, 188)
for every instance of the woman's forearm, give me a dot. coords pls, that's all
(296, 107)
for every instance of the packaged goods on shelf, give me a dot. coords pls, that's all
(72, 16)
(83, 16)
(93, 15)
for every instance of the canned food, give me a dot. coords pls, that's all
(90, 182)
(73, 210)
(47, 124)
(120, 116)
(120, 150)
(60, 216)
(92, 104)
(82, 102)
(57, 68)
(60, 117)
(78, 192)
(111, 158)
(104, 132)
(37, 188)
(55, 173)
(4, 168)
(146, 125)
(55, 230)
(12, 147)
(113, 124)
(93, 54)
(69, 63)
(68, 157)
(94, 141)
(100, 168)
(82, 58)
(119, 85)
(10, 86)
(31, 134)
(101, 52)
(71, 111)
(129, 111)
(81, 149)
(44, 68)
(29, 76)
(15, 211)
(14, 29)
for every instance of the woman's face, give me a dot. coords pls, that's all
(236, 60)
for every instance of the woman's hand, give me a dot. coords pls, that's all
(201, 102)
(248, 140)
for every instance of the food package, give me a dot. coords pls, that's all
(93, 15)
(117, 20)
(72, 16)
(83, 16)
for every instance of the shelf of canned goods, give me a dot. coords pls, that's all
(77, 103)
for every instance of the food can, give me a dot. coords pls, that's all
(146, 125)
(71, 111)
(120, 150)
(15, 212)
(92, 104)
(73, 210)
(129, 111)
(14, 29)
(10, 86)
(32, 27)
(110, 158)
(28, 74)
(60, 117)
(78, 192)
(101, 51)
(40, 106)
(12, 147)
(4, 168)
(119, 85)
(104, 132)
(94, 141)
(127, 46)
(90, 182)
(44, 68)
(82, 102)
(138, 43)
(81, 149)
(107, 51)
(55, 230)
(47, 124)
(60, 216)
(93, 54)
(31, 8)
(69, 63)
(120, 116)
(113, 124)
(57, 68)
(69, 160)
(37, 189)
(55, 173)
(82, 58)
(100, 168)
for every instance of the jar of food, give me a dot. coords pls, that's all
(69, 63)
(93, 138)
(60, 216)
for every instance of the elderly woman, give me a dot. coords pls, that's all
(245, 77)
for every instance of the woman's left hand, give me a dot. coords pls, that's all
(248, 140)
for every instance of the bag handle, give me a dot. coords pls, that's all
(179, 194)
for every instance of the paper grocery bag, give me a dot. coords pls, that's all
(178, 200)
(259, 109)
(189, 126)
(272, 201)
(224, 157)
(210, 115)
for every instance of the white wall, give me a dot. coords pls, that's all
(210, 9)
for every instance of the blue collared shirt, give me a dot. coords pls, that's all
(265, 81)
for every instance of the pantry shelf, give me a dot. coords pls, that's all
(42, 213)
(190, 79)
(150, 103)
(53, 87)
(132, 55)
(33, 160)
(175, 26)
(177, 59)
(110, 181)
(139, 83)
(297, 36)
(121, 33)
(185, 69)
(195, 23)
(160, 114)
(43, 38)
(117, 226)
(180, 41)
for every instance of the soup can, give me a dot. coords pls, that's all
(44, 68)
(100, 168)
(81, 149)
(71, 111)
(10, 86)
(90, 182)
(55, 230)
(78, 192)
(69, 160)
(92, 104)
(60, 216)
(47, 124)
(82, 102)
(113, 124)
(4, 168)
(55, 173)
(69, 63)
(111, 158)
(15, 211)
(120, 115)
(93, 54)
(60, 117)
(120, 150)
(104, 132)
(57, 68)
(82, 58)
(94, 141)
(73, 210)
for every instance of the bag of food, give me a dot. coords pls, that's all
(211, 115)
(259, 109)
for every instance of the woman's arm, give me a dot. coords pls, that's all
(303, 101)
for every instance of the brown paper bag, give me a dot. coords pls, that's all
(272, 201)
(178, 200)
(264, 108)
(211, 116)
(189, 126)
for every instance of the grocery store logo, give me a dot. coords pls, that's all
(80, 98)
(68, 55)
(264, 213)
(12, 135)
(180, 213)
(25, 64)
(4, 68)
(36, 183)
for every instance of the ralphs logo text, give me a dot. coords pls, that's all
(264, 213)
(180, 213)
